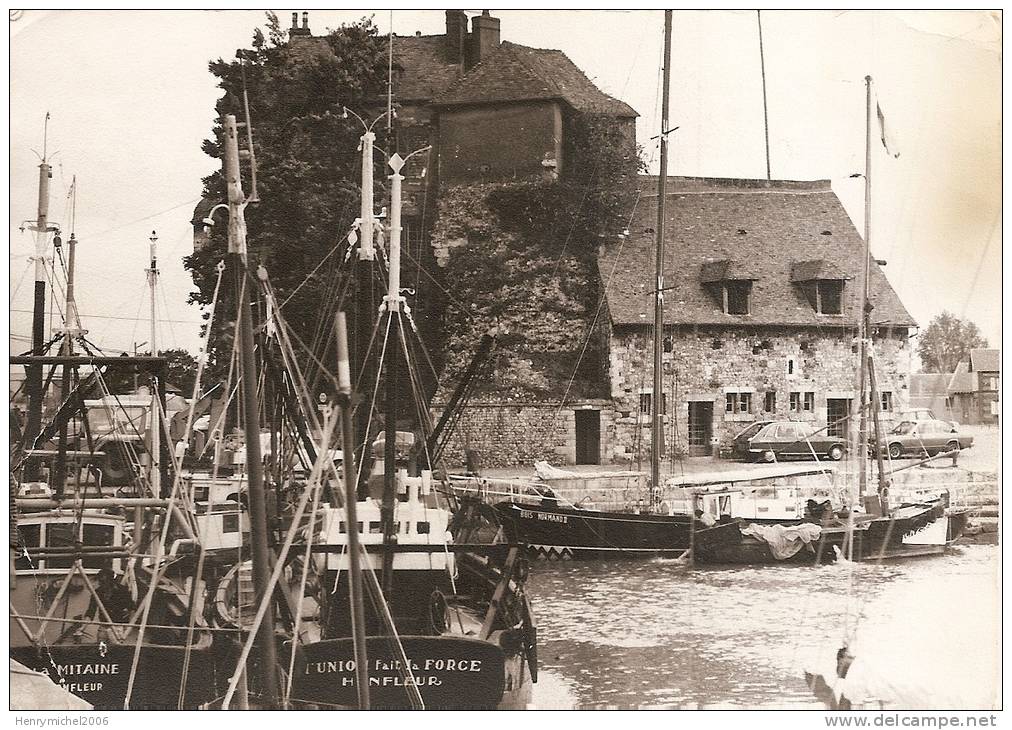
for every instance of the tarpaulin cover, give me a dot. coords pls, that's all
(785, 541)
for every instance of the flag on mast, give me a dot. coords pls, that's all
(888, 141)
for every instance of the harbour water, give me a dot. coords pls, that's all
(655, 633)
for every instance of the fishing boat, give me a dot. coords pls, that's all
(103, 596)
(447, 624)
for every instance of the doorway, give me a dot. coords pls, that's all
(588, 437)
(700, 428)
(836, 410)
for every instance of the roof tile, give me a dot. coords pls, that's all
(759, 227)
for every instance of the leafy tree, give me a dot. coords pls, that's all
(946, 342)
(308, 168)
(182, 373)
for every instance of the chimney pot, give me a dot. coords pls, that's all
(295, 20)
(456, 36)
(305, 20)
(484, 38)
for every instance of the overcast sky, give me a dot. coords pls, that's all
(131, 99)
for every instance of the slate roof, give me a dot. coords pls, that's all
(768, 230)
(520, 73)
(984, 359)
(425, 70)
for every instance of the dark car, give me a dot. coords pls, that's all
(790, 439)
(739, 445)
(924, 438)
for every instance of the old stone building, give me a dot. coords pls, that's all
(763, 290)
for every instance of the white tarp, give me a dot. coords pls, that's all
(785, 541)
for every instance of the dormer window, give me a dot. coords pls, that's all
(737, 297)
(829, 296)
(729, 285)
(822, 284)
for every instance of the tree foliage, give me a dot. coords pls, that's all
(946, 342)
(308, 165)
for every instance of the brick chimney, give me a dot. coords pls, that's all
(456, 35)
(295, 31)
(484, 38)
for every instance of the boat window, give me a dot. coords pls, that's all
(230, 522)
(60, 535)
(423, 528)
(342, 527)
(375, 527)
(28, 537)
(97, 535)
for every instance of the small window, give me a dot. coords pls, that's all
(738, 403)
(375, 527)
(795, 402)
(230, 523)
(28, 537)
(60, 535)
(736, 297)
(647, 403)
(770, 401)
(790, 366)
(423, 528)
(342, 527)
(97, 536)
(809, 401)
(887, 400)
(830, 297)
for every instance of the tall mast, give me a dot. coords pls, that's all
(33, 373)
(862, 486)
(71, 330)
(392, 301)
(254, 465)
(657, 430)
(155, 420)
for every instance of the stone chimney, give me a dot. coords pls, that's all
(295, 31)
(456, 35)
(484, 38)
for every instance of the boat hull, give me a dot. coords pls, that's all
(450, 672)
(100, 673)
(566, 532)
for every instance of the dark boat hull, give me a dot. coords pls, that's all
(551, 531)
(100, 673)
(450, 672)
(878, 539)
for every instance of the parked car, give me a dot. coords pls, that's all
(739, 445)
(924, 437)
(787, 439)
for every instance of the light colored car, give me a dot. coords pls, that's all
(924, 438)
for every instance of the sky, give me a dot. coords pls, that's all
(131, 99)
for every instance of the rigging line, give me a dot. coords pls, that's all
(600, 306)
(147, 217)
(464, 309)
(310, 274)
(268, 594)
(372, 403)
(21, 281)
(122, 319)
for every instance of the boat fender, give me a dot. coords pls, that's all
(439, 611)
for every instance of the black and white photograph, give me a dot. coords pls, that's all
(462, 359)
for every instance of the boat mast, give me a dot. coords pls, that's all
(155, 420)
(33, 373)
(392, 301)
(254, 465)
(71, 330)
(657, 399)
(862, 486)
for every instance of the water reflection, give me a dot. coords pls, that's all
(660, 634)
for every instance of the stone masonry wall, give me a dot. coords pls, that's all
(706, 363)
(518, 434)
